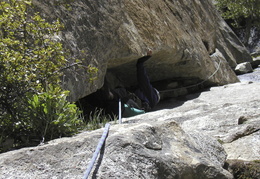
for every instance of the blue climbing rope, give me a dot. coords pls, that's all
(97, 151)
(101, 143)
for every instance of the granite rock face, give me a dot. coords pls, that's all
(142, 150)
(111, 35)
(229, 113)
(189, 138)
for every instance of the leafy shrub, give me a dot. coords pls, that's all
(51, 115)
(32, 103)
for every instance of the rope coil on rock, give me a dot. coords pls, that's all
(97, 151)
(169, 90)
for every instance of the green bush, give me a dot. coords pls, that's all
(241, 14)
(51, 115)
(236, 9)
(32, 104)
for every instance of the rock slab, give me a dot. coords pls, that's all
(230, 114)
(141, 150)
(189, 138)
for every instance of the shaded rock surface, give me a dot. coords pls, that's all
(245, 169)
(190, 138)
(253, 43)
(189, 40)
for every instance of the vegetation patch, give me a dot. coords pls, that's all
(240, 14)
(244, 169)
(33, 106)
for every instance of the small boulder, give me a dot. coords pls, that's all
(243, 68)
(255, 62)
